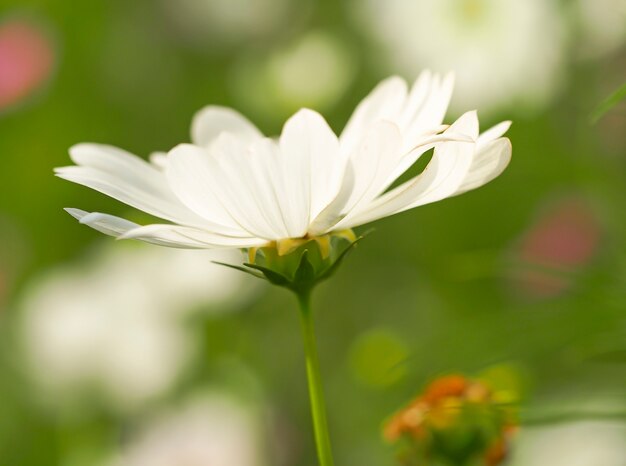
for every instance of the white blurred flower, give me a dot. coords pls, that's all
(313, 71)
(211, 23)
(235, 188)
(602, 26)
(577, 444)
(114, 325)
(208, 431)
(503, 52)
(186, 280)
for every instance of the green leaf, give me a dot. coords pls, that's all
(608, 103)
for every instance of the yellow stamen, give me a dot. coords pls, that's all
(288, 245)
(324, 244)
(285, 246)
(252, 254)
(346, 234)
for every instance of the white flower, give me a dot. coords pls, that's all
(209, 431)
(597, 443)
(105, 326)
(185, 281)
(602, 26)
(505, 52)
(236, 188)
(217, 23)
(314, 70)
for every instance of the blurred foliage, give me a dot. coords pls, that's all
(432, 289)
(610, 102)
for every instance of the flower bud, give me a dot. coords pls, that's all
(456, 421)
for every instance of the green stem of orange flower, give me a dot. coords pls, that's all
(316, 393)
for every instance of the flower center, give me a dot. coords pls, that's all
(472, 9)
(287, 245)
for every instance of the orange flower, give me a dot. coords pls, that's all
(454, 417)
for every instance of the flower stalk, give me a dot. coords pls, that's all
(316, 392)
(291, 203)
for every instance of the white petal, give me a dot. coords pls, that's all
(441, 178)
(385, 102)
(128, 179)
(246, 184)
(104, 223)
(110, 158)
(417, 113)
(270, 185)
(466, 124)
(372, 169)
(427, 105)
(190, 237)
(163, 235)
(494, 132)
(194, 176)
(213, 120)
(418, 94)
(312, 169)
(158, 159)
(490, 161)
(369, 169)
(421, 117)
(424, 145)
(373, 162)
(222, 185)
(333, 212)
(115, 226)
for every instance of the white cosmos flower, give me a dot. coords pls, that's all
(314, 70)
(597, 443)
(505, 52)
(235, 188)
(114, 324)
(602, 26)
(223, 23)
(212, 430)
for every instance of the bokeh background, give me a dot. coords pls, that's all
(113, 353)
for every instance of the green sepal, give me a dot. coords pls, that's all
(305, 272)
(275, 278)
(240, 268)
(301, 269)
(333, 268)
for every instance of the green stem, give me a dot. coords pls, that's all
(316, 394)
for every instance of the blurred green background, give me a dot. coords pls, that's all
(524, 279)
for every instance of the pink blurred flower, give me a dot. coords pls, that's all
(26, 60)
(561, 243)
(566, 236)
